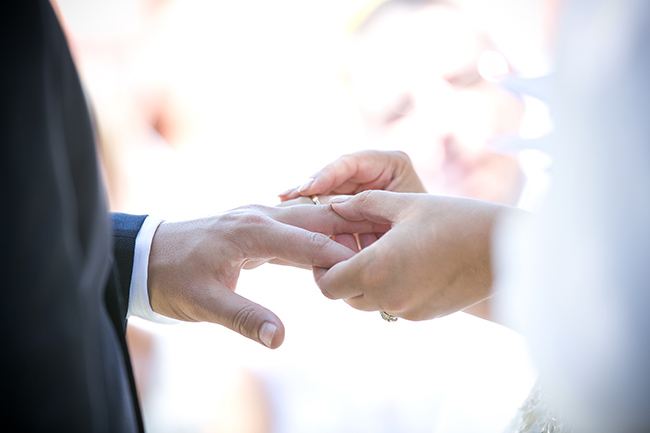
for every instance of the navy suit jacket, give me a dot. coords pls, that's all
(65, 262)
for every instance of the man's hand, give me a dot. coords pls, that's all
(433, 261)
(194, 265)
(360, 171)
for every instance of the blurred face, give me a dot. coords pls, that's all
(421, 83)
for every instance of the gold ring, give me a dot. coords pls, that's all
(387, 317)
(315, 199)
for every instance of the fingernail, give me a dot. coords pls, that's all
(306, 184)
(340, 199)
(267, 331)
(286, 192)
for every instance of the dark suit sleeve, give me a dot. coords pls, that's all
(125, 230)
(64, 367)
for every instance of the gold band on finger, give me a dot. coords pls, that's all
(387, 317)
(315, 199)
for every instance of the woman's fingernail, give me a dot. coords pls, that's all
(340, 199)
(286, 192)
(267, 331)
(306, 184)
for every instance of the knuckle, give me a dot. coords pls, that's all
(366, 197)
(245, 216)
(243, 227)
(244, 321)
(348, 161)
(319, 243)
(250, 220)
(363, 196)
(252, 214)
(403, 156)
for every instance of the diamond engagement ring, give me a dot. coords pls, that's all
(387, 317)
(315, 199)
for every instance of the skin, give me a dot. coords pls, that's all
(431, 254)
(194, 265)
(434, 260)
(360, 171)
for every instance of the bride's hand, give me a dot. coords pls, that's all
(318, 199)
(432, 257)
(360, 171)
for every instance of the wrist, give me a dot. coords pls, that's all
(139, 301)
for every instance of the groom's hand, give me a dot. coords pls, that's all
(194, 265)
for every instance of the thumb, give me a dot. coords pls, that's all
(244, 317)
(381, 207)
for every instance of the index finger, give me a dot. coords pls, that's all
(299, 246)
(334, 178)
(352, 173)
(338, 177)
(322, 219)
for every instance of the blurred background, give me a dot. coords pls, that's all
(202, 106)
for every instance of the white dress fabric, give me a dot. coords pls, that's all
(580, 273)
(537, 415)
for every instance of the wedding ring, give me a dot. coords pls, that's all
(315, 199)
(387, 317)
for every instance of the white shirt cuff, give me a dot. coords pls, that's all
(139, 294)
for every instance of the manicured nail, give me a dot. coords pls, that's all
(306, 184)
(267, 331)
(286, 192)
(340, 199)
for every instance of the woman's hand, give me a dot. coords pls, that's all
(432, 258)
(360, 171)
